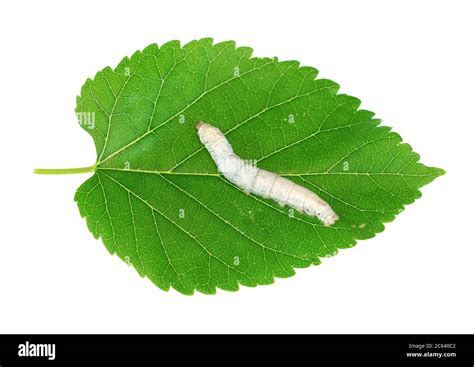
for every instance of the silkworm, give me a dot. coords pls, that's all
(260, 182)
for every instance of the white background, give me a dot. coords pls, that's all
(410, 61)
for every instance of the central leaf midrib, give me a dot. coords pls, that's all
(285, 174)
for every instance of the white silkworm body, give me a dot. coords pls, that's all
(259, 181)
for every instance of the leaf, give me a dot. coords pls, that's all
(158, 202)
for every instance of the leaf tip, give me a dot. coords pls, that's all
(438, 172)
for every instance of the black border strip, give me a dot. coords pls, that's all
(139, 349)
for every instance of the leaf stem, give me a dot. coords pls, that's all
(64, 171)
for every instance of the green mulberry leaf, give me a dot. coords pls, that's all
(158, 202)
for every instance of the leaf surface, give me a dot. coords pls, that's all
(158, 202)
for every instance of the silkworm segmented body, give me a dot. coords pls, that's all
(259, 181)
